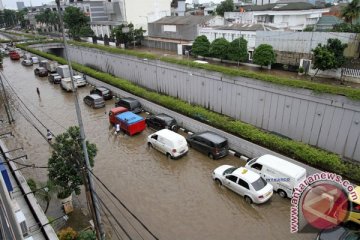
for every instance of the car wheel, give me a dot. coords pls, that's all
(189, 144)
(211, 156)
(173, 128)
(282, 193)
(248, 200)
(150, 145)
(218, 182)
(168, 155)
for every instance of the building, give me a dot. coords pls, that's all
(287, 16)
(327, 23)
(104, 16)
(20, 5)
(1, 5)
(234, 31)
(169, 32)
(178, 8)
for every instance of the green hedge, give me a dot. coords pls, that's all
(296, 150)
(316, 87)
(29, 36)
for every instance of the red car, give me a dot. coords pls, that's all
(14, 55)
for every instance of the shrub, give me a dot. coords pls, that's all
(301, 70)
(86, 235)
(67, 234)
(297, 150)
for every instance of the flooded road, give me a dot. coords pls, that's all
(176, 199)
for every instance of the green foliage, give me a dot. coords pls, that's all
(86, 235)
(264, 55)
(301, 69)
(128, 37)
(309, 29)
(77, 23)
(67, 234)
(329, 56)
(48, 18)
(67, 160)
(238, 50)
(201, 46)
(32, 184)
(219, 48)
(297, 150)
(346, 27)
(351, 11)
(225, 6)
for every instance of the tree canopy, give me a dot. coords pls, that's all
(128, 37)
(346, 27)
(201, 46)
(219, 48)
(77, 23)
(238, 50)
(225, 6)
(329, 56)
(49, 18)
(67, 160)
(351, 11)
(264, 55)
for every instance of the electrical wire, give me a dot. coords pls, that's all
(23, 101)
(117, 222)
(124, 206)
(101, 188)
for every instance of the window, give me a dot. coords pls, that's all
(155, 137)
(257, 166)
(169, 28)
(232, 178)
(259, 184)
(243, 184)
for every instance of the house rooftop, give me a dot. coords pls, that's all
(329, 20)
(281, 7)
(247, 27)
(184, 20)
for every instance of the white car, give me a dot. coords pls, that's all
(79, 81)
(244, 182)
(34, 60)
(172, 144)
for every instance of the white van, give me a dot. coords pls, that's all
(283, 175)
(173, 145)
(66, 84)
(79, 81)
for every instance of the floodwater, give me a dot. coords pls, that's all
(176, 199)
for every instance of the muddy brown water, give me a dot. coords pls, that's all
(176, 199)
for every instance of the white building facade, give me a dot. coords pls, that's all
(295, 20)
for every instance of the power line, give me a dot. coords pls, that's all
(101, 187)
(112, 226)
(117, 222)
(124, 206)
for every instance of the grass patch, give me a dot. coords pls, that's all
(294, 149)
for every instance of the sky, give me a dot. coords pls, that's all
(11, 4)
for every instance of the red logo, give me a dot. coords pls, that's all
(325, 205)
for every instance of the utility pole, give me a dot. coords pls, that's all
(6, 104)
(89, 184)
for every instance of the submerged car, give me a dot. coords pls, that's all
(41, 72)
(244, 182)
(131, 104)
(94, 101)
(54, 78)
(210, 143)
(161, 121)
(27, 62)
(102, 91)
(79, 81)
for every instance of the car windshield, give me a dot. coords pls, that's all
(229, 170)
(259, 184)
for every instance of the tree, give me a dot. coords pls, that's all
(346, 27)
(238, 50)
(127, 37)
(329, 56)
(225, 6)
(77, 23)
(264, 55)
(351, 11)
(219, 48)
(45, 191)
(67, 160)
(201, 46)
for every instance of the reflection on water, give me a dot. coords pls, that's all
(177, 199)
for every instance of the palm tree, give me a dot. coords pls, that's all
(351, 11)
